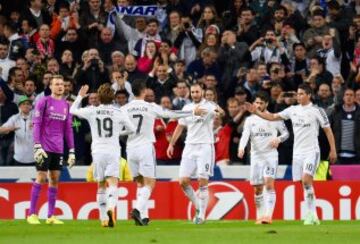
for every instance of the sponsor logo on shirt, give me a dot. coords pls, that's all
(57, 116)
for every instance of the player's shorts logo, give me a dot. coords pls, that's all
(225, 200)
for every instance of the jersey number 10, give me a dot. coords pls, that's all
(105, 126)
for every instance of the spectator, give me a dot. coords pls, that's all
(130, 65)
(357, 97)
(251, 84)
(188, 40)
(247, 30)
(209, 17)
(146, 62)
(331, 52)
(63, 20)
(162, 83)
(67, 67)
(205, 65)
(16, 80)
(73, 41)
(107, 45)
(45, 45)
(17, 47)
(222, 141)
(149, 95)
(318, 73)
(24, 66)
(324, 98)
(69, 89)
(313, 36)
(182, 95)
(35, 14)
(21, 125)
(117, 61)
(299, 64)
(5, 63)
(163, 130)
(337, 88)
(7, 109)
(345, 121)
(92, 21)
(174, 27)
(119, 82)
(44, 86)
(53, 66)
(211, 95)
(267, 50)
(93, 73)
(93, 99)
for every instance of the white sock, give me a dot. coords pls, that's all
(144, 213)
(190, 193)
(259, 202)
(309, 197)
(203, 201)
(112, 197)
(101, 201)
(144, 196)
(270, 200)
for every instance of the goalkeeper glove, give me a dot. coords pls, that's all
(39, 154)
(71, 158)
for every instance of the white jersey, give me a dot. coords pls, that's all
(261, 132)
(199, 129)
(106, 124)
(143, 114)
(305, 122)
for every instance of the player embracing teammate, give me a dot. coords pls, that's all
(306, 119)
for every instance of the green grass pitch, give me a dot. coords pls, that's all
(77, 232)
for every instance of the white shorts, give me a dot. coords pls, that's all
(199, 158)
(142, 160)
(106, 165)
(263, 166)
(305, 163)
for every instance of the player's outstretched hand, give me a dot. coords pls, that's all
(250, 107)
(199, 111)
(332, 156)
(83, 90)
(71, 158)
(241, 153)
(39, 154)
(170, 151)
(275, 142)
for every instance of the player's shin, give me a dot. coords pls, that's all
(101, 201)
(203, 200)
(309, 197)
(112, 196)
(259, 202)
(35, 192)
(270, 200)
(190, 193)
(143, 199)
(52, 195)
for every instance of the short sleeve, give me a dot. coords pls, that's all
(322, 117)
(10, 122)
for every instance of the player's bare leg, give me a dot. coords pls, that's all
(41, 177)
(203, 200)
(145, 187)
(111, 198)
(101, 202)
(269, 199)
(311, 217)
(54, 176)
(259, 202)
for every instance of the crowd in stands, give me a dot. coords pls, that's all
(234, 48)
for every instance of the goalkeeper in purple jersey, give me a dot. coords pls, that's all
(52, 123)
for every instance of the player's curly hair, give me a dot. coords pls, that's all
(106, 94)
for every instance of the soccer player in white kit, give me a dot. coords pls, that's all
(140, 148)
(306, 119)
(199, 154)
(106, 124)
(264, 138)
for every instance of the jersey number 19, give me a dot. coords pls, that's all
(105, 127)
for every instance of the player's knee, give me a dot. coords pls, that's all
(184, 182)
(203, 182)
(41, 178)
(258, 190)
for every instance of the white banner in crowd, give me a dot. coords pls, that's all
(134, 10)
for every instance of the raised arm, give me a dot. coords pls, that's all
(265, 115)
(75, 107)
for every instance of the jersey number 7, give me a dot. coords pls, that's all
(140, 117)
